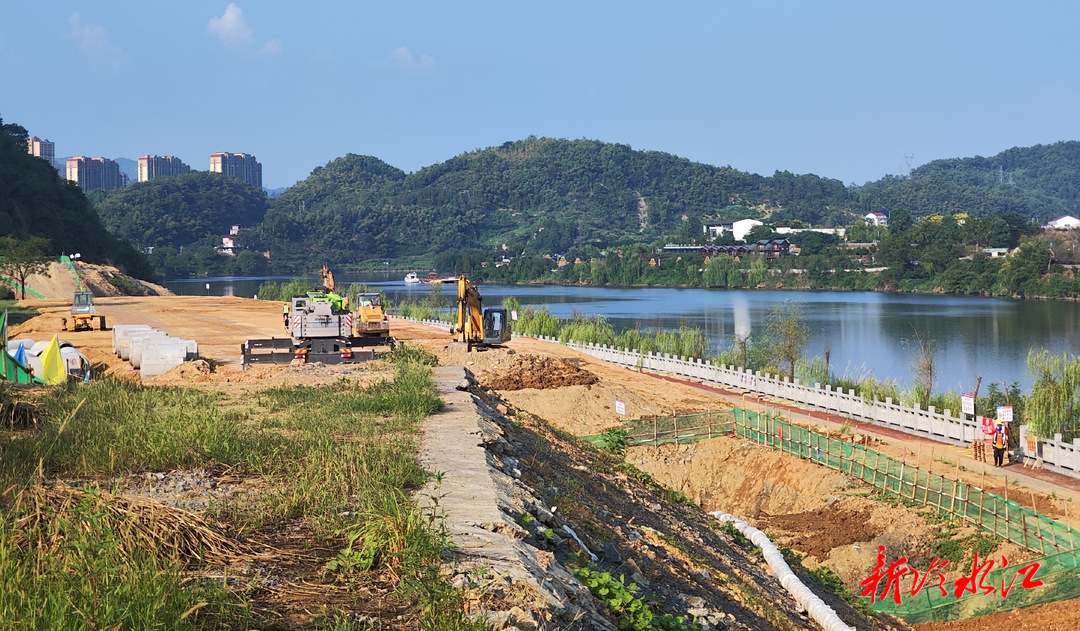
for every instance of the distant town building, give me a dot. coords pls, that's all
(239, 165)
(44, 149)
(738, 229)
(92, 174)
(151, 167)
(1064, 222)
(877, 219)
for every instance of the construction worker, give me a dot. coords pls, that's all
(1001, 443)
(285, 314)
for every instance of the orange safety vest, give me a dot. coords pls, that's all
(999, 439)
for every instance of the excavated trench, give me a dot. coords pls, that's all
(830, 517)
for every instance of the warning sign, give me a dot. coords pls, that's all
(967, 403)
(1004, 414)
(620, 406)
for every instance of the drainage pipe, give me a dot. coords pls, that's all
(818, 610)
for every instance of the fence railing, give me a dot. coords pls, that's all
(1056, 455)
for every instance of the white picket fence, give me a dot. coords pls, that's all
(1055, 455)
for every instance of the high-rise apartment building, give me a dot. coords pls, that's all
(238, 165)
(151, 167)
(44, 149)
(94, 173)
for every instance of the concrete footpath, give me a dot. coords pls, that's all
(475, 490)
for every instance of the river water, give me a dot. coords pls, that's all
(867, 333)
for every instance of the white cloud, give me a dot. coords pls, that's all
(235, 33)
(93, 42)
(401, 58)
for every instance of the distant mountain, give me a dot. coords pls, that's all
(535, 195)
(1040, 183)
(545, 195)
(130, 168)
(275, 192)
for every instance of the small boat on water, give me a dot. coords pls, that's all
(411, 279)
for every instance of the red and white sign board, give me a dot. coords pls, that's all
(967, 403)
(620, 406)
(1004, 414)
(987, 425)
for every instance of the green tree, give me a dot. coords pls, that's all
(1054, 404)
(718, 271)
(924, 368)
(787, 335)
(23, 258)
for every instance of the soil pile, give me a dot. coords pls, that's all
(101, 280)
(818, 532)
(522, 372)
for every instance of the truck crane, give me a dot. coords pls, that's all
(476, 326)
(320, 329)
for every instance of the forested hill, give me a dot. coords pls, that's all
(543, 195)
(36, 202)
(1040, 182)
(534, 195)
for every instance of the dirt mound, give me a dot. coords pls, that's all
(523, 372)
(101, 280)
(821, 530)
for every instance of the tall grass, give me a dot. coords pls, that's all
(587, 330)
(93, 581)
(273, 290)
(537, 322)
(341, 456)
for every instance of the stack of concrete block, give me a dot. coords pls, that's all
(151, 351)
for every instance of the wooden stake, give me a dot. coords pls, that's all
(1072, 537)
(1035, 510)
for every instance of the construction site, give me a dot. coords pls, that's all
(549, 458)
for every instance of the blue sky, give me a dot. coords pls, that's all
(840, 89)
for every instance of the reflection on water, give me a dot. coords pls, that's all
(867, 333)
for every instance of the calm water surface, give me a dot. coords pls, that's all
(867, 333)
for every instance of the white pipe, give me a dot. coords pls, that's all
(818, 610)
(570, 531)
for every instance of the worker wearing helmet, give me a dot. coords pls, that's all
(1001, 443)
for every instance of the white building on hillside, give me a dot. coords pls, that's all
(738, 229)
(1064, 222)
(877, 219)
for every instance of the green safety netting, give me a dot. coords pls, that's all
(1057, 569)
(993, 513)
(1058, 575)
(681, 428)
(1057, 572)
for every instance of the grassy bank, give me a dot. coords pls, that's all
(336, 462)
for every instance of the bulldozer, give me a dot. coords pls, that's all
(476, 326)
(83, 313)
(370, 319)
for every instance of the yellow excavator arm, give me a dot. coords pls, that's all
(469, 326)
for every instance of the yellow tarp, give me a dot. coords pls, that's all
(52, 364)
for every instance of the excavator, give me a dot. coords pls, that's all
(476, 326)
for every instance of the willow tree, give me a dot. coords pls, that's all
(787, 335)
(1054, 404)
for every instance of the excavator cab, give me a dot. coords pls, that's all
(496, 326)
